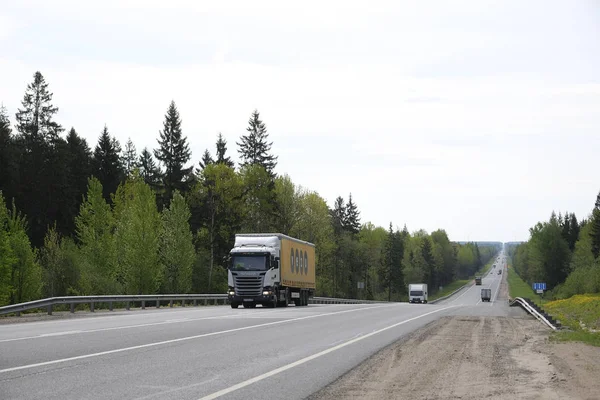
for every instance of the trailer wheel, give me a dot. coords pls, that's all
(234, 305)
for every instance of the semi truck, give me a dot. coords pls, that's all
(270, 269)
(486, 294)
(417, 293)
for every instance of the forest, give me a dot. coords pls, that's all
(77, 219)
(562, 252)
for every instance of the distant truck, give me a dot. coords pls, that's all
(270, 269)
(486, 294)
(417, 293)
(478, 280)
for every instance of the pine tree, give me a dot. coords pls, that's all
(352, 217)
(42, 180)
(388, 262)
(95, 234)
(130, 158)
(26, 274)
(8, 157)
(595, 228)
(574, 232)
(221, 150)
(176, 250)
(79, 169)
(35, 121)
(173, 153)
(107, 166)
(338, 215)
(7, 257)
(149, 171)
(206, 160)
(254, 147)
(427, 252)
(137, 232)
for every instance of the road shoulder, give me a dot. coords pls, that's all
(472, 358)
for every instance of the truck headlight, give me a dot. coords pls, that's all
(231, 292)
(266, 292)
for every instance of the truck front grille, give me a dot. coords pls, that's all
(248, 285)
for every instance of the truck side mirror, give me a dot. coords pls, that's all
(276, 266)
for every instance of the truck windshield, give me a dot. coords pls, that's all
(416, 293)
(249, 263)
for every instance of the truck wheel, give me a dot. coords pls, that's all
(297, 302)
(304, 298)
(234, 305)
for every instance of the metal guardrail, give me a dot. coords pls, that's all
(155, 299)
(533, 310)
(49, 303)
(333, 300)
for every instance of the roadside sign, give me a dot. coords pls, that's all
(360, 285)
(539, 291)
(539, 286)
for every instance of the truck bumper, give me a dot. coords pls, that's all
(235, 299)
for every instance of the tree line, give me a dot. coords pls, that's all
(77, 221)
(562, 252)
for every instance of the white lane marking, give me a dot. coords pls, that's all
(143, 346)
(497, 290)
(465, 292)
(312, 357)
(114, 328)
(59, 333)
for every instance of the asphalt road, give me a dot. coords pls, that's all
(212, 352)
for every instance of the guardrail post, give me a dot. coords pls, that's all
(157, 303)
(195, 302)
(50, 309)
(72, 308)
(92, 306)
(205, 302)
(127, 306)
(182, 302)
(143, 304)
(171, 303)
(216, 302)
(110, 307)
(18, 313)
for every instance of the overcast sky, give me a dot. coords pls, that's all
(478, 117)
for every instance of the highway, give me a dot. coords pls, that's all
(213, 352)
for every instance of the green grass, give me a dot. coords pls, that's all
(517, 287)
(581, 313)
(577, 336)
(576, 310)
(449, 289)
